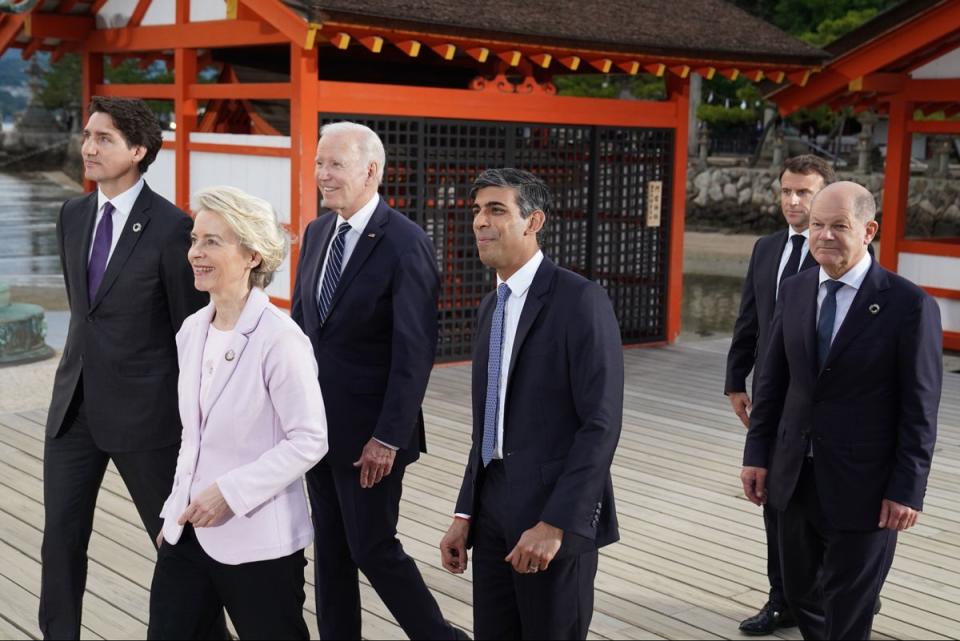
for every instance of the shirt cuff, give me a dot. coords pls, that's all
(465, 517)
(387, 445)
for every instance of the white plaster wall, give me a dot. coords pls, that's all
(946, 66)
(162, 177)
(206, 10)
(949, 314)
(278, 142)
(930, 271)
(115, 14)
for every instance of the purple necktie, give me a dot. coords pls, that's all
(101, 251)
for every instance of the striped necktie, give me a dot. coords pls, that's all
(332, 274)
(494, 364)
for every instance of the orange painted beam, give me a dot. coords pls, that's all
(146, 91)
(31, 48)
(10, 26)
(896, 184)
(52, 25)
(238, 90)
(197, 35)
(284, 20)
(303, 141)
(409, 47)
(679, 92)
(934, 127)
(373, 43)
(949, 294)
(138, 13)
(951, 341)
(91, 66)
(878, 83)
(631, 67)
(936, 24)
(949, 248)
(480, 54)
(570, 62)
(946, 90)
(445, 51)
(429, 102)
(240, 150)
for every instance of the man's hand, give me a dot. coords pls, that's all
(207, 509)
(740, 402)
(754, 481)
(453, 546)
(376, 462)
(894, 516)
(535, 549)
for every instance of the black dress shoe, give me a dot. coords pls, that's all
(766, 621)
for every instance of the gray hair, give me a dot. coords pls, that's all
(532, 192)
(864, 204)
(371, 147)
(254, 221)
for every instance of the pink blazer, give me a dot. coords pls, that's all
(263, 426)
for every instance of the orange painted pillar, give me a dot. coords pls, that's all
(679, 91)
(185, 109)
(896, 183)
(304, 107)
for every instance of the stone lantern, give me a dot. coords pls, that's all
(23, 330)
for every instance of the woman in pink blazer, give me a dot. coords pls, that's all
(236, 521)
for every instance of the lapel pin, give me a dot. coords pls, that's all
(230, 355)
(371, 235)
(874, 309)
(137, 227)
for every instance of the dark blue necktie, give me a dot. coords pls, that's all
(332, 274)
(828, 316)
(494, 363)
(793, 263)
(102, 242)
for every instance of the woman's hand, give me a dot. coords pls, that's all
(207, 509)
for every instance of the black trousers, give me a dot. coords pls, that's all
(263, 598)
(552, 604)
(832, 577)
(73, 469)
(356, 530)
(771, 523)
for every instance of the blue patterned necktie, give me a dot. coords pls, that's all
(828, 316)
(332, 274)
(494, 363)
(101, 251)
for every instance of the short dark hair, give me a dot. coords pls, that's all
(809, 164)
(134, 119)
(532, 192)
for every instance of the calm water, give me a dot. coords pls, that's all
(28, 213)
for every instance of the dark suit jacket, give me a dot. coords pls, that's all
(871, 412)
(376, 349)
(759, 298)
(563, 411)
(123, 341)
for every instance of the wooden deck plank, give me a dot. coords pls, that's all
(691, 562)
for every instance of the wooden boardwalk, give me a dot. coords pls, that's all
(690, 563)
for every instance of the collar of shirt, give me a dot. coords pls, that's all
(124, 202)
(358, 222)
(854, 276)
(521, 281)
(805, 233)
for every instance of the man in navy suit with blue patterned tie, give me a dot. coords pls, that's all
(844, 422)
(366, 295)
(536, 501)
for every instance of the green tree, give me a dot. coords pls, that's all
(61, 82)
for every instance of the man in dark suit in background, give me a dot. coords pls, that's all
(536, 501)
(844, 424)
(775, 257)
(366, 294)
(123, 250)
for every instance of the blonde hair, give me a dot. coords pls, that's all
(254, 221)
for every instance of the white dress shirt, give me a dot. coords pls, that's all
(123, 205)
(785, 257)
(519, 285)
(852, 282)
(358, 222)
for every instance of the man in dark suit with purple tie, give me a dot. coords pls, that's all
(123, 250)
(536, 502)
(844, 422)
(775, 258)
